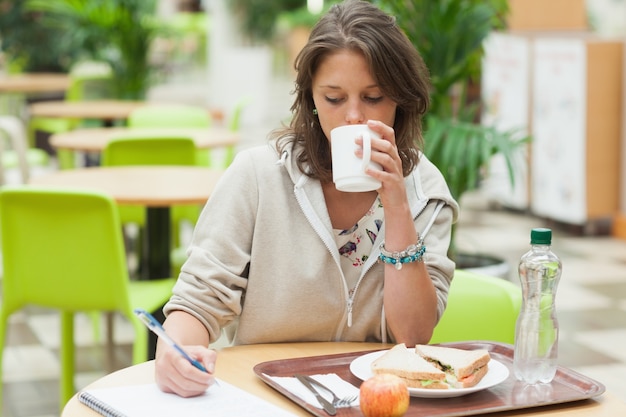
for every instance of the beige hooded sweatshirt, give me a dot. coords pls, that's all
(263, 257)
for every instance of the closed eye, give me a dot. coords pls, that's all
(333, 100)
(372, 100)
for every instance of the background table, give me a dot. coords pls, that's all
(156, 187)
(235, 365)
(96, 139)
(14, 88)
(105, 110)
(29, 83)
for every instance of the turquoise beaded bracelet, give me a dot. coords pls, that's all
(413, 253)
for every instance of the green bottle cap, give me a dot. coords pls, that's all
(540, 236)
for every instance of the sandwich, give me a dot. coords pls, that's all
(412, 368)
(463, 368)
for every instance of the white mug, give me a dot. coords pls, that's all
(349, 170)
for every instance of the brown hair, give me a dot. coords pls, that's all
(394, 63)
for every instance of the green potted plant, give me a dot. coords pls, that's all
(295, 26)
(258, 18)
(29, 46)
(119, 32)
(449, 35)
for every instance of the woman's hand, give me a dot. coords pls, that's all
(385, 152)
(174, 373)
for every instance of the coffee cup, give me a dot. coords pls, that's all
(348, 169)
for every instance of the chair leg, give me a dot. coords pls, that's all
(67, 357)
(66, 159)
(110, 354)
(94, 316)
(140, 344)
(230, 155)
(4, 324)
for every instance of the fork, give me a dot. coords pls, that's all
(338, 402)
(344, 402)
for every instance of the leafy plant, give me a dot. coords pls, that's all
(462, 150)
(119, 32)
(27, 44)
(258, 17)
(449, 35)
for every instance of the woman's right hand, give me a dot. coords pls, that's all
(175, 374)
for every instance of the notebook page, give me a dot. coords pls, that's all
(148, 400)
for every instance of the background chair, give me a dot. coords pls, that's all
(155, 151)
(169, 115)
(173, 115)
(63, 249)
(15, 152)
(479, 308)
(183, 115)
(234, 125)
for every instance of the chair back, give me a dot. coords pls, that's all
(90, 80)
(149, 151)
(479, 308)
(154, 151)
(175, 115)
(61, 249)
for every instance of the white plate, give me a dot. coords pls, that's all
(497, 373)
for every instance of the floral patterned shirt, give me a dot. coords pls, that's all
(355, 244)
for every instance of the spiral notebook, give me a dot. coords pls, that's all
(148, 400)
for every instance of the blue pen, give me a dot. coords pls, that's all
(154, 325)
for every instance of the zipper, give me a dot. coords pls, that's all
(350, 303)
(352, 294)
(322, 232)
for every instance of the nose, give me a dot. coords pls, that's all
(354, 114)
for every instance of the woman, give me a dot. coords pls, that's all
(284, 254)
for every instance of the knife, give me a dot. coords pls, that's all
(326, 405)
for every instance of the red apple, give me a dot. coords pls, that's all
(384, 395)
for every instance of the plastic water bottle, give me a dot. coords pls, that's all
(537, 329)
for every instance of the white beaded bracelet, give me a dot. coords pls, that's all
(413, 253)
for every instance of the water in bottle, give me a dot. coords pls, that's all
(537, 330)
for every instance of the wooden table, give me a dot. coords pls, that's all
(14, 88)
(155, 187)
(235, 365)
(96, 139)
(29, 83)
(105, 110)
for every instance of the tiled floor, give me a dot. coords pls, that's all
(591, 306)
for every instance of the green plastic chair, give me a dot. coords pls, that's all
(136, 150)
(173, 115)
(234, 125)
(63, 249)
(480, 307)
(169, 115)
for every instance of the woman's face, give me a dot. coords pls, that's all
(345, 93)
